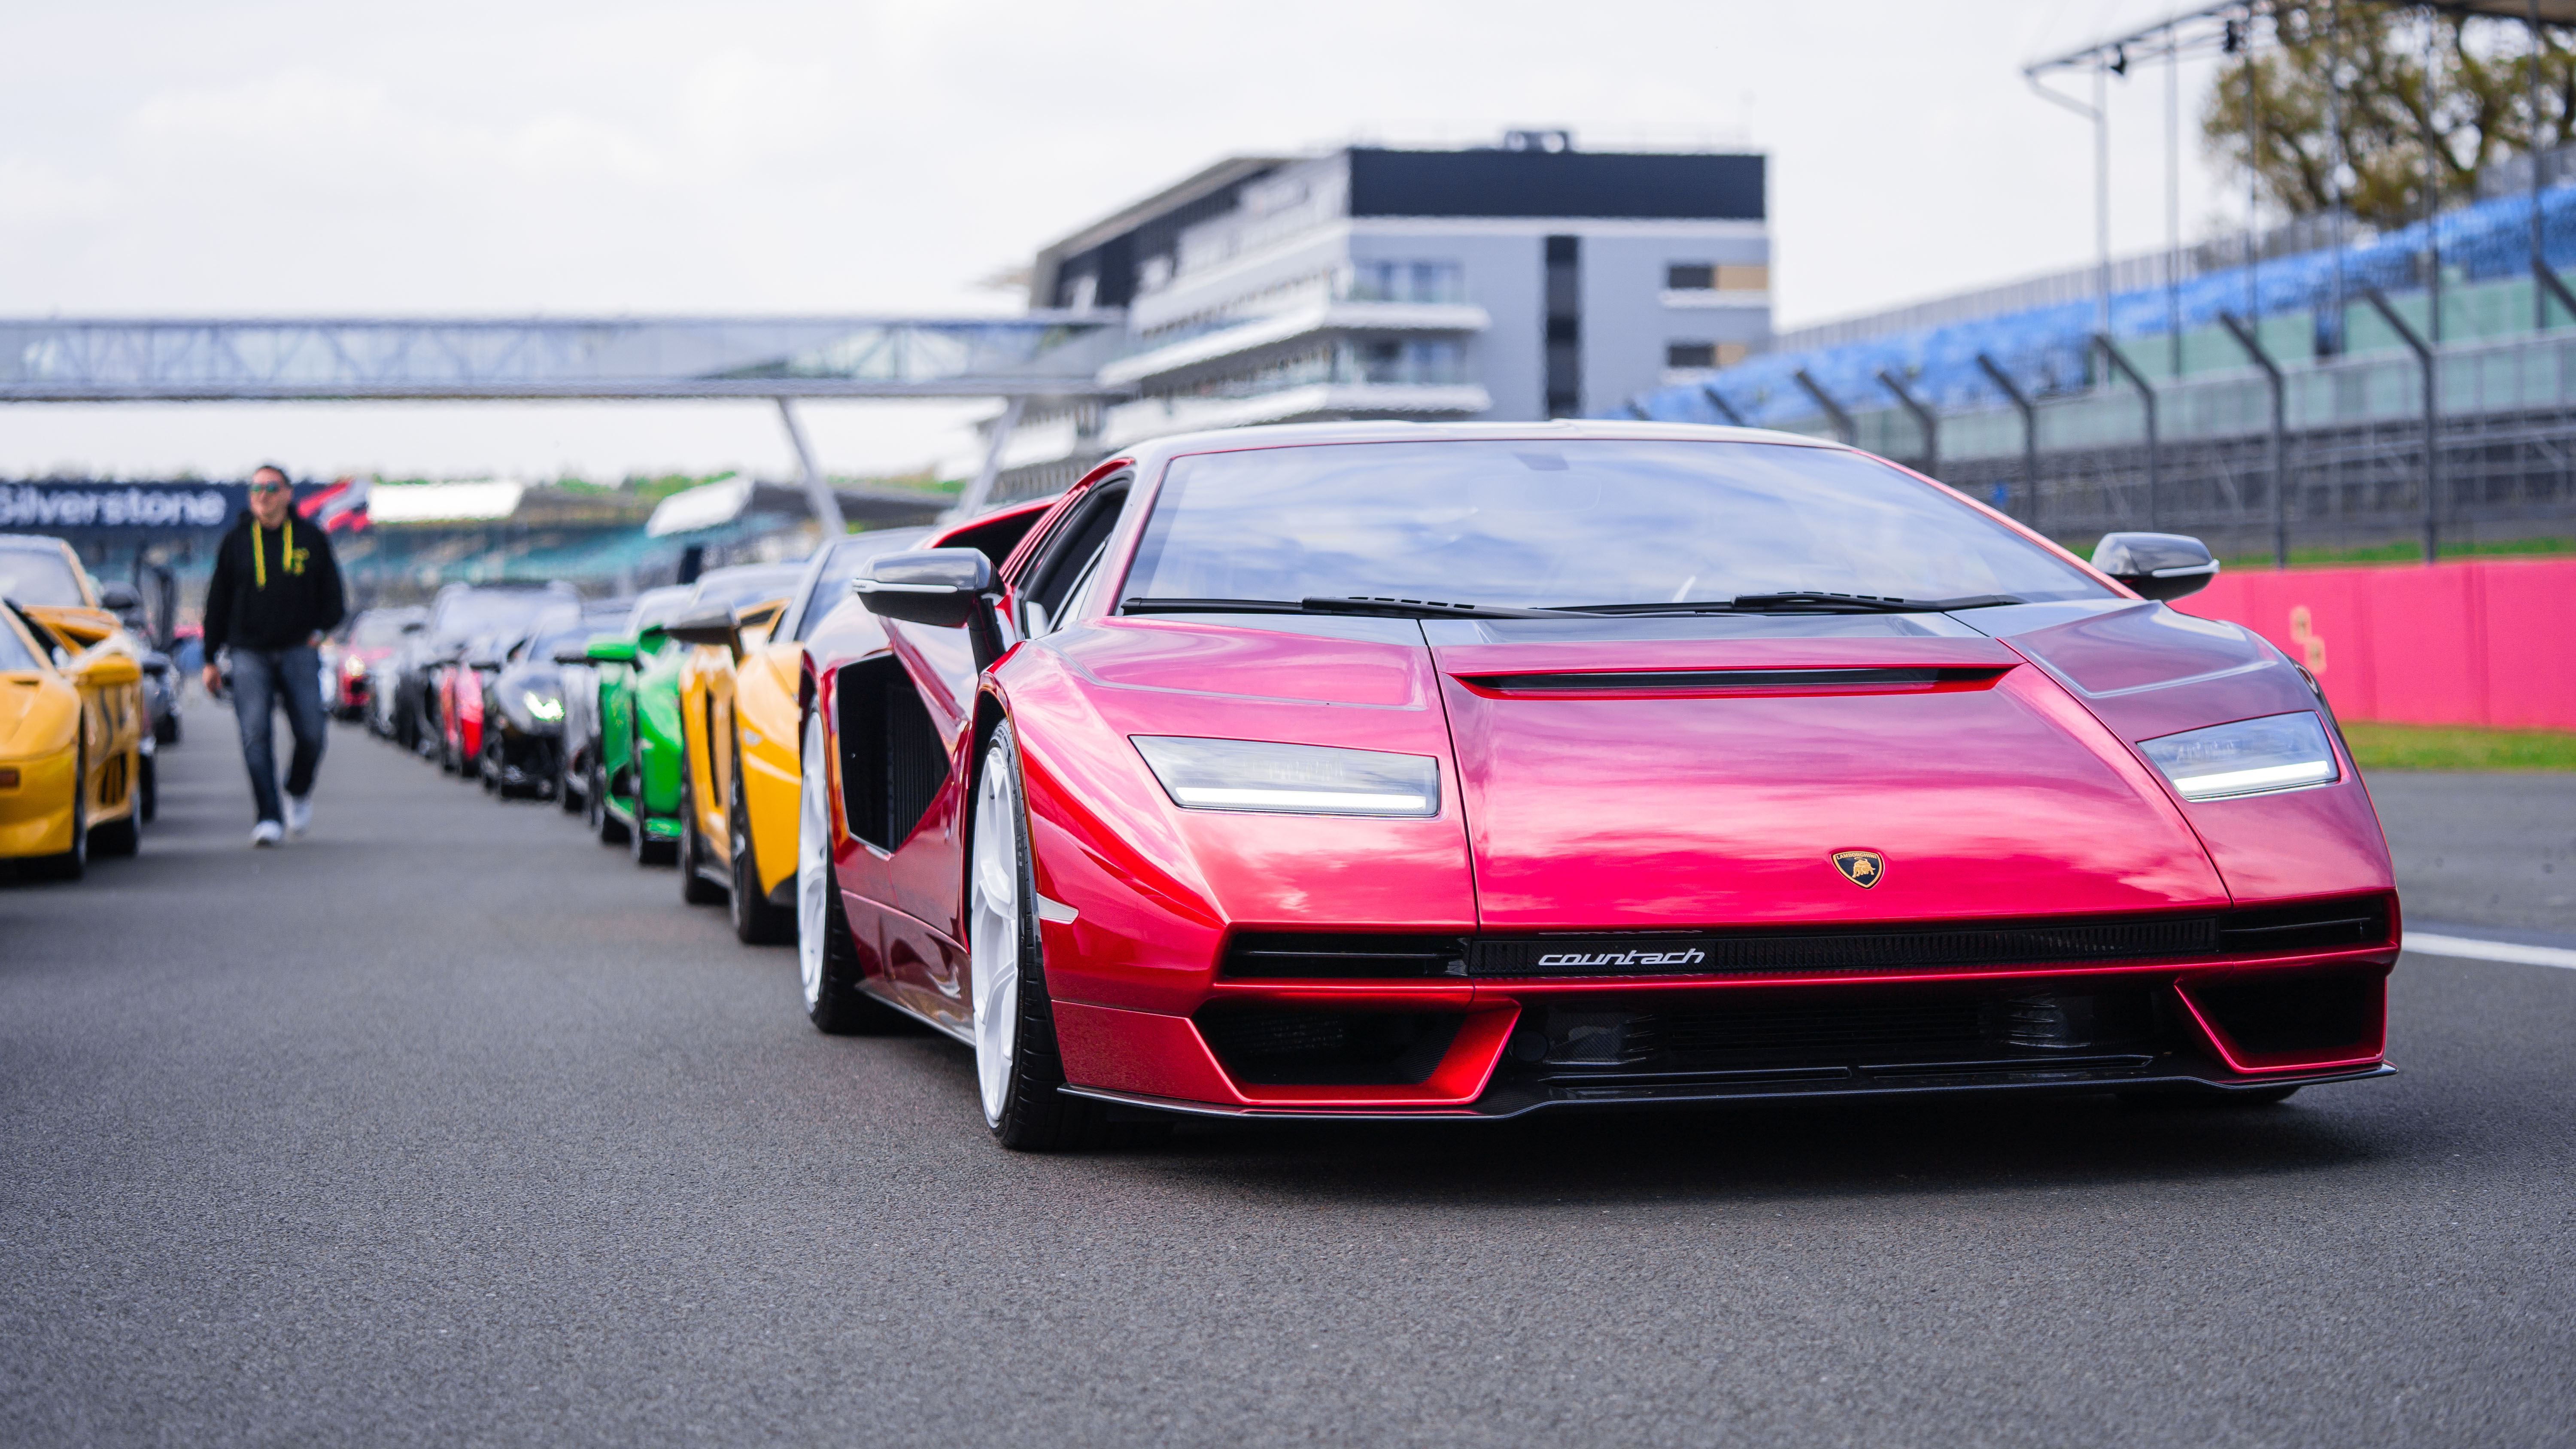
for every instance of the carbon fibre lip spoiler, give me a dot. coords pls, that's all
(1505, 1103)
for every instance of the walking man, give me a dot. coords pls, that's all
(275, 593)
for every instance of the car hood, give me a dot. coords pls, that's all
(1664, 774)
(1643, 783)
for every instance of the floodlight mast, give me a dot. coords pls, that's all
(2189, 34)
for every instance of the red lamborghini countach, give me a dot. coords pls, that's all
(1377, 770)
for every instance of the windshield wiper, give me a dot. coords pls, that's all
(1802, 602)
(1377, 608)
(1867, 604)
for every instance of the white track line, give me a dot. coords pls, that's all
(2476, 950)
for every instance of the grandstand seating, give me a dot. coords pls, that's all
(2047, 350)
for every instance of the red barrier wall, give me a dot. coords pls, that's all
(2476, 642)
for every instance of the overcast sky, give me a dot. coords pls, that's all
(780, 156)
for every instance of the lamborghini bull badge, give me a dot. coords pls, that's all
(1861, 867)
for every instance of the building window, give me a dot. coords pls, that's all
(1701, 356)
(1408, 282)
(1418, 364)
(1717, 277)
(1563, 294)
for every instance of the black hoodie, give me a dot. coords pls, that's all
(278, 597)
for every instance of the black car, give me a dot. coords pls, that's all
(456, 617)
(524, 704)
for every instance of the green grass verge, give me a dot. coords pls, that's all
(2458, 747)
(2402, 553)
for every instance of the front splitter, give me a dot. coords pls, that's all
(1508, 1100)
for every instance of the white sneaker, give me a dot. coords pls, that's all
(299, 815)
(267, 832)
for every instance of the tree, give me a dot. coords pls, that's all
(2389, 75)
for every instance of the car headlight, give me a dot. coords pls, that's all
(2249, 757)
(1203, 774)
(542, 706)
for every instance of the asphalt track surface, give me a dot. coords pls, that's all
(449, 1126)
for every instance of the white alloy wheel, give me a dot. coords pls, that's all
(993, 927)
(814, 885)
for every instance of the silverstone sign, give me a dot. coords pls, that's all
(45, 507)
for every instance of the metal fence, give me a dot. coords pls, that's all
(2353, 451)
(2509, 475)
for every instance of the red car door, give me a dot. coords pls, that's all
(927, 743)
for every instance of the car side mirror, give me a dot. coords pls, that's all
(415, 626)
(2156, 565)
(117, 598)
(940, 587)
(936, 586)
(609, 651)
(707, 626)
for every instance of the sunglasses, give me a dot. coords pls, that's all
(268, 487)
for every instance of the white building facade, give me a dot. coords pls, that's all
(1525, 281)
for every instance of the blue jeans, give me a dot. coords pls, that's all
(262, 680)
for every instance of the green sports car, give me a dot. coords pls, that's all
(635, 770)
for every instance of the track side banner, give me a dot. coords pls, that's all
(2472, 642)
(49, 507)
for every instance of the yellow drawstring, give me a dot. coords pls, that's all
(259, 556)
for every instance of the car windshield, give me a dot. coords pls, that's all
(730, 590)
(832, 581)
(543, 648)
(477, 611)
(1544, 524)
(38, 576)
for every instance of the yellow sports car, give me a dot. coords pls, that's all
(71, 715)
(738, 719)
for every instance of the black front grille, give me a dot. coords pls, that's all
(1661, 953)
(1342, 955)
(2308, 926)
(1401, 955)
(1761, 1029)
(1272, 1046)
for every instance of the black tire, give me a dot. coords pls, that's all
(756, 922)
(1035, 1116)
(609, 829)
(165, 730)
(70, 864)
(564, 797)
(695, 889)
(149, 805)
(640, 843)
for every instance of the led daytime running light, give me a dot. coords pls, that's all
(2248, 757)
(1260, 775)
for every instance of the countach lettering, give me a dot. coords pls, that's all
(1582, 959)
